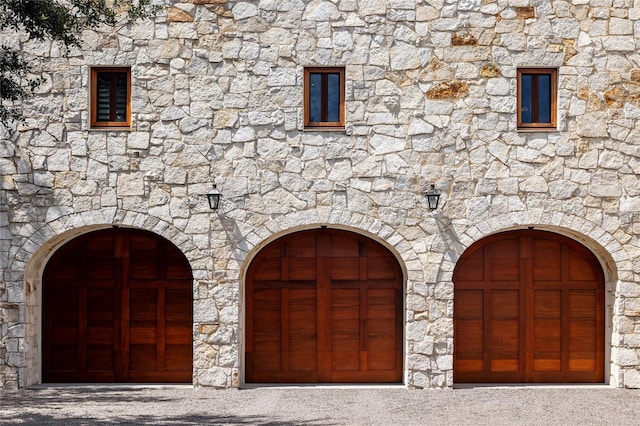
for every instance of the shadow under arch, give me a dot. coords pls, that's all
(40, 252)
(255, 251)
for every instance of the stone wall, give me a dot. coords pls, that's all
(430, 98)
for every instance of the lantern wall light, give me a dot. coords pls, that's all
(433, 197)
(214, 198)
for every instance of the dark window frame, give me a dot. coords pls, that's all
(325, 71)
(553, 99)
(112, 101)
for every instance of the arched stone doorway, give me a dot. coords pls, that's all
(324, 306)
(117, 307)
(528, 307)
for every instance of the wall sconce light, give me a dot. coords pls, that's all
(433, 197)
(214, 198)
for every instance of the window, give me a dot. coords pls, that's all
(110, 97)
(324, 97)
(537, 94)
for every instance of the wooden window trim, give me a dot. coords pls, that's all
(553, 125)
(324, 125)
(94, 97)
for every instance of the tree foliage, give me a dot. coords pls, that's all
(57, 20)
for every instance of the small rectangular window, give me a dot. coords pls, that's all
(324, 97)
(110, 97)
(537, 98)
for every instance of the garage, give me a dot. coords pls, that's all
(117, 307)
(528, 308)
(324, 306)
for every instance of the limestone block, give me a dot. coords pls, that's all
(59, 161)
(404, 56)
(562, 189)
(130, 184)
(619, 43)
(215, 376)
(244, 10)
(381, 144)
(625, 357)
(631, 378)
(592, 125)
(164, 49)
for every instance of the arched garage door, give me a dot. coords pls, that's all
(117, 307)
(324, 306)
(528, 307)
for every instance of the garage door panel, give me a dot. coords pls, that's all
(378, 360)
(302, 360)
(582, 303)
(142, 357)
(504, 336)
(549, 328)
(546, 362)
(503, 265)
(301, 268)
(268, 269)
(547, 335)
(263, 361)
(582, 361)
(178, 357)
(475, 364)
(504, 304)
(100, 336)
(547, 260)
(344, 246)
(178, 333)
(64, 359)
(345, 305)
(580, 268)
(345, 268)
(300, 248)
(547, 303)
(64, 336)
(345, 360)
(470, 267)
(100, 358)
(117, 309)
(469, 304)
(583, 336)
(505, 362)
(381, 270)
(346, 313)
(470, 338)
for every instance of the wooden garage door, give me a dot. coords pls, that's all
(324, 306)
(528, 307)
(117, 307)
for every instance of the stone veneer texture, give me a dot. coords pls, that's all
(430, 98)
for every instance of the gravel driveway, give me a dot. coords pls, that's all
(321, 406)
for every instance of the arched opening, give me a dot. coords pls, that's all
(117, 307)
(324, 306)
(529, 307)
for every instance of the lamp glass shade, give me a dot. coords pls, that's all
(433, 198)
(214, 198)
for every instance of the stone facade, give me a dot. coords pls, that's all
(430, 98)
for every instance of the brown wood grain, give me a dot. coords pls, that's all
(528, 307)
(343, 319)
(117, 307)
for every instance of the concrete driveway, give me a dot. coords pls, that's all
(321, 406)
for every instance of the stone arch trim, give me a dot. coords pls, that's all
(610, 253)
(412, 263)
(375, 229)
(33, 252)
(54, 234)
